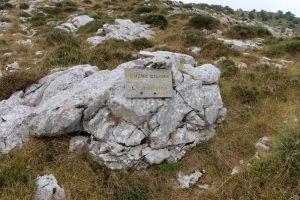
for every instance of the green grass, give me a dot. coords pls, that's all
(65, 56)
(280, 47)
(193, 38)
(156, 20)
(203, 21)
(247, 32)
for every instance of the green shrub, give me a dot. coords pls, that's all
(4, 19)
(146, 9)
(288, 151)
(204, 146)
(246, 94)
(283, 46)
(156, 20)
(215, 49)
(92, 26)
(64, 56)
(229, 68)
(203, 21)
(247, 32)
(24, 6)
(5, 6)
(111, 53)
(142, 43)
(38, 20)
(67, 6)
(168, 167)
(24, 14)
(193, 38)
(58, 37)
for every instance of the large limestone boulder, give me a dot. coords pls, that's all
(125, 133)
(123, 29)
(73, 24)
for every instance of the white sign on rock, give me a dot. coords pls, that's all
(148, 83)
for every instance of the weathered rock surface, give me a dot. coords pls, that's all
(5, 25)
(123, 29)
(125, 133)
(263, 143)
(48, 188)
(73, 24)
(186, 181)
(78, 143)
(243, 45)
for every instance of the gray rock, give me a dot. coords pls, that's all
(78, 143)
(123, 29)
(125, 133)
(48, 188)
(26, 42)
(13, 66)
(263, 143)
(243, 45)
(186, 181)
(73, 24)
(5, 25)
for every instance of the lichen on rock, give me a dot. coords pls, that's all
(125, 133)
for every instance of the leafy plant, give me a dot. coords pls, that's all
(203, 21)
(247, 32)
(24, 6)
(193, 38)
(156, 20)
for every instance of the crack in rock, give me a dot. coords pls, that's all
(124, 133)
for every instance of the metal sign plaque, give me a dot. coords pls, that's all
(148, 83)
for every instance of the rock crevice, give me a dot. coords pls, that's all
(125, 133)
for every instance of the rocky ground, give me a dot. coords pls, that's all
(231, 130)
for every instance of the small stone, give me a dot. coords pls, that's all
(235, 170)
(48, 188)
(203, 186)
(78, 143)
(27, 42)
(186, 181)
(13, 66)
(242, 65)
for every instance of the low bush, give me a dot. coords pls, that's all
(24, 6)
(156, 20)
(146, 9)
(5, 6)
(246, 94)
(214, 49)
(193, 38)
(24, 14)
(280, 47)
(38, 19)
(64, 56)
(92, 26)
(142, 43)
(229, 69)
(203, 21)
(111, 53)
(247, 32)
(67, 6)
(58, 37)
